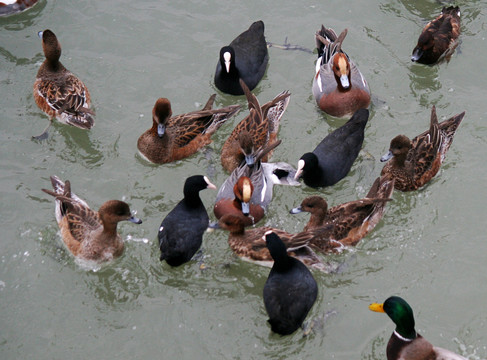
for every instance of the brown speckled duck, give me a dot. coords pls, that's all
(339, 87)
(58, 92)
(352, 220)
(262, 124)
(175, 138)
(415, 162)
(249, 244)
(439, 37)
(405, 343)
(88, 234)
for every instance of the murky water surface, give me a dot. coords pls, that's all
(430, 248)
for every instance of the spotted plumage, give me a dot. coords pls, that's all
(439, 37)
(58, 92)
(261, 125)
(88, 234)
(175, 138)
(415, 162)
(351, 220)
(249, 245)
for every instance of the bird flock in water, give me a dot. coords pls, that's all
(340, 90)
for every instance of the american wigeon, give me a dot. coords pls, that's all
(240, 204)
(352, 220)
(405, 343)
(439, 37)
(332, 159)
(412, 163)
(339, 87)
(88, 234)
(245, 58)
(173, 138)
(290, 289)
(255, 131)
(181, 232)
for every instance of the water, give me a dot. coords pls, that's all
(430, 247)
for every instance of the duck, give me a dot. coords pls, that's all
(352, 220)
(249, 245)
(259, 189)
(332, 159)
(413, 163)
(245, 58)
(9, 7)
(439, 37)
(173, 138)
(240, 205)
(58, 92)
(255, 131)
(88, 234)
(339, 87)
(181, 231)
(405, 343)
(290, 290)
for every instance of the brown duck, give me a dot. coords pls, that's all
(58, 92)
(251, 246)
(415, 162)
(175, 138)
(439, 37)
(88, 234)
(352, 220)
(262, 124)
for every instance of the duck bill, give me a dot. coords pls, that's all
(387, 156)
(246, 208)
(296, 210)
(417, 53)
(377, 307)
(161, 130)
(214, 225)
(344, 81)
(250, 160)
(135, 220)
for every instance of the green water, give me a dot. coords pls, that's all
(429, 248)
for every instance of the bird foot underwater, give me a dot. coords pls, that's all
(317, 324)
(288, 46)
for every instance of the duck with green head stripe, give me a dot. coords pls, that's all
(405, 343)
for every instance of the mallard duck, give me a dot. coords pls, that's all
(255, 131)
(405, 343)
(58, 92)
(175, 138)
(290, 289)
(352, 220)
(415, 162)
(88, 234)
(439, 37)
(339, 87)
(245, 58)
(181, 232)
(332, 159)
(249, 245)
